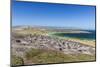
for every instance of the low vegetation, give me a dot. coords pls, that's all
(15, 60)
(38, 56)
(23, 41)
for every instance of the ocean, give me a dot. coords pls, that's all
(90, 36)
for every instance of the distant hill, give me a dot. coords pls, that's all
(46, 27)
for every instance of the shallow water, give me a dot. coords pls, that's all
(90, 35)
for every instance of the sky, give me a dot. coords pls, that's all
(58, 15)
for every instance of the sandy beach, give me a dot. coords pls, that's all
(84, 41)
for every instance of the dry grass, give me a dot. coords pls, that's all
(43, 56)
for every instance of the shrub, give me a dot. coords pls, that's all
(15, 60)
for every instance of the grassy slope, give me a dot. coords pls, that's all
(37, 56)
(43, 56)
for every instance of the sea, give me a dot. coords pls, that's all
(89, 36)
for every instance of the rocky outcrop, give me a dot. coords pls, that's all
(23, 43)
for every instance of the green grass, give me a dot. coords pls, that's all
(38, 56)
(45, 56)
(15, 60)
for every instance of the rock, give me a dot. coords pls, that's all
(47, 42)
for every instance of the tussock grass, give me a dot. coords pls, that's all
(38, 56)
(15, 60)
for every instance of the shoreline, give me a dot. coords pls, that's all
(83, 41)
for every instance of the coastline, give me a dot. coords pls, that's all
(43, 44)
(83, 41)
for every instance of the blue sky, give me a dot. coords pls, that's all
(46, 14)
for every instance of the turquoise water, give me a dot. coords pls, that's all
(91, 35)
